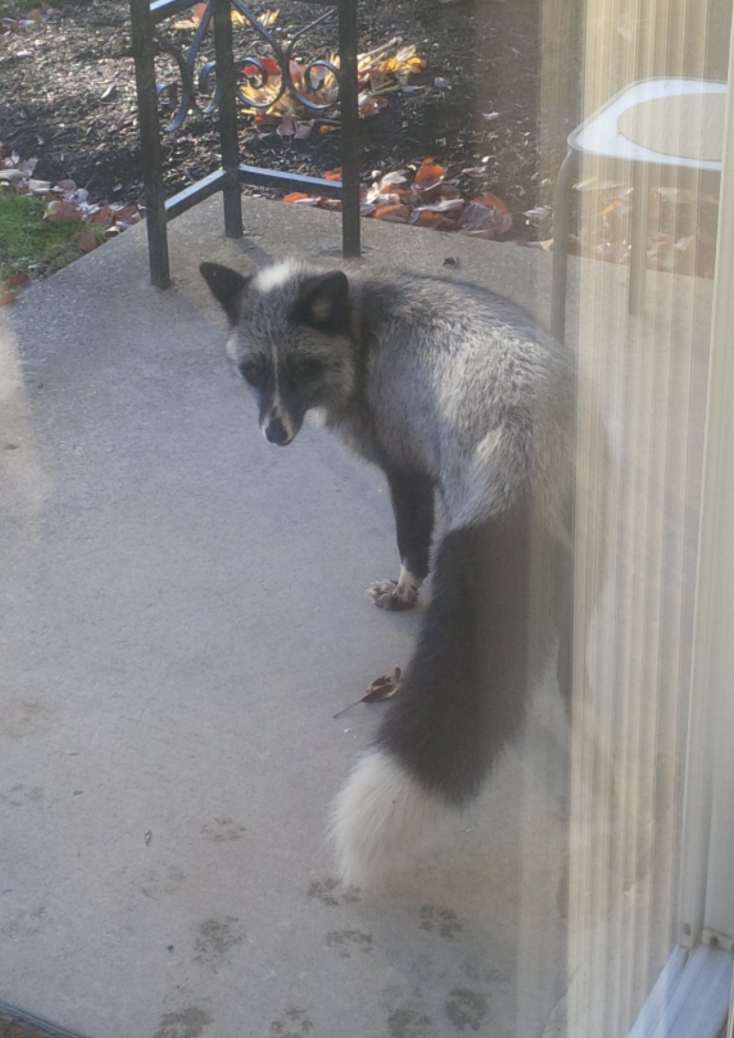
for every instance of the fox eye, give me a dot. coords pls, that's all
(253, 373)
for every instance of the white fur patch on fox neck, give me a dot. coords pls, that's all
(381, 819)
(273, 277)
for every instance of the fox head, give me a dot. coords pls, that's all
(290, 340)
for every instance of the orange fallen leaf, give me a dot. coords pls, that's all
(435, 220)
(371, 105)
(392, 213)
(429, 171)
(333, 174)
(491, 202)
(295, 196)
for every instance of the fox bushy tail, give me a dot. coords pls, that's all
(462, 697)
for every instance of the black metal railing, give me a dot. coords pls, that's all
(226, 97)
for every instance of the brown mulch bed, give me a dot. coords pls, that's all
(67, 95)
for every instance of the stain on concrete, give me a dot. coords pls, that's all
(441, 921)
(20, 795)
(346, 941)
(22, 717)
(159, 882)
(216, 939)
(330, 892)
(295, 1023)
(25, 924)
(222, 830)
(466, 1009)
(486, 977)
(407, 1021)
(188, 1023)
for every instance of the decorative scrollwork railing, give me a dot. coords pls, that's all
(252, 70)
(227, 83)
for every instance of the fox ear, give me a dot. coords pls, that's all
(323, 302)
(226, 285)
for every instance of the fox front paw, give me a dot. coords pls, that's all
(395, 594)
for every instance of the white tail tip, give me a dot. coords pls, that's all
(382, 818)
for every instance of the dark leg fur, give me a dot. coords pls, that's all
(463, 695)
(412, 500)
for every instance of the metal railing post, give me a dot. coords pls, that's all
(227, 110)
(350, 127)
(150, 142)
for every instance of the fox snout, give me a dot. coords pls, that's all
(277, 427)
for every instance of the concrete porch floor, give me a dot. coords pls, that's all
(183, 614)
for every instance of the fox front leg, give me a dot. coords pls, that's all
(412, 501)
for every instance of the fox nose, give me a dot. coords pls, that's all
(276, 432)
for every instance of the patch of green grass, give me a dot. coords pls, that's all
(31, 245)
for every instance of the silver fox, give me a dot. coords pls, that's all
(457, 395)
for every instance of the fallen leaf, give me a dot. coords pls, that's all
(87, 241)
(492, 202)
(392, 213)
(194, 19)
(430, 172)
(371, 104)
(382, 688)
(447, 205)
(62, 212)
(482, 221)
(287, 127)
(397, 177)
(491, 116)
(388, 197)
(433, 220)
(267, 17)
(304, 130)
(539, 212)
